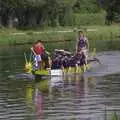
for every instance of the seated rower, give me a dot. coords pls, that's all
(72, 64)
(80, 60)
(65, 63)
(56, 63)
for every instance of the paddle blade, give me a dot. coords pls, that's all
(94, 52)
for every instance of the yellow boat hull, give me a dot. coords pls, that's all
(60, 72)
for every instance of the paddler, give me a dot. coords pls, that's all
(65, 63)
(80, 58)
(56, 63)
(80, 61)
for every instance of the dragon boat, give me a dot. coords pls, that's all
(71, 70)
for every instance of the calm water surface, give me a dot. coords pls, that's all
(94, 96)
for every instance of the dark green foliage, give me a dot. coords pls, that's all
(88, 19)
(89, 6)
(113, 10)
(32, 13)
(36, 13)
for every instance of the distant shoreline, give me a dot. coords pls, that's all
(58, 34)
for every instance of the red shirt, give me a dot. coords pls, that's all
(38, 50)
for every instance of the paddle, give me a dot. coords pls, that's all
(94, 52)
(94, 58)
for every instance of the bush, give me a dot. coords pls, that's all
(88, 19)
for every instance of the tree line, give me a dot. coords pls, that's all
(34, 13)
(112, 8)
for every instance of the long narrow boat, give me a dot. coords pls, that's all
(45, 73)
(59, 72)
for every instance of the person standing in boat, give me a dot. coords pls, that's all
(39, 55)
(82, 43)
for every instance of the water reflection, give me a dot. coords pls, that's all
(80, 87)
(39, 104)
(73, 97)
(35, 102)
(62, 94)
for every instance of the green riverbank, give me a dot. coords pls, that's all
(95, 34)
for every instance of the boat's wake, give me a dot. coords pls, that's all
(110, 64)
(25, 76)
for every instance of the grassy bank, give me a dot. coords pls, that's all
(95, 34)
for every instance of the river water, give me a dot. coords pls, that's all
(93, 96)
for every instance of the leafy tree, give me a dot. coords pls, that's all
(112, 8)
(90, 6)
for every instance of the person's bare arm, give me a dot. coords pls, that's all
(42, 46)
(87, 43)
(33, 51)
(77, 45)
